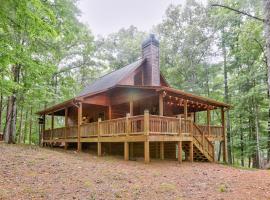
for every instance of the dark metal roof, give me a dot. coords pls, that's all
(111, 79)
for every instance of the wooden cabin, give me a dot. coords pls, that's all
(134, 112)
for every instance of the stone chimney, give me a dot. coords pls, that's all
(150, 51)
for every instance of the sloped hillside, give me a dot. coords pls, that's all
(38, 173)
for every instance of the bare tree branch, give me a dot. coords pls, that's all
(238, 11)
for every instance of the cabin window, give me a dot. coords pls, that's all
(101, 115)
(138, 78)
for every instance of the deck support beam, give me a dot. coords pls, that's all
(191, 151)
(180, 151)
(146, 152)
(126, 151)
(66, 127)
(52, 127)
(43, 128)
(99, 149)
(162, 150)
(79, 144)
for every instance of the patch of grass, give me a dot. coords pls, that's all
(166, 187)
(222, 188)
(88, 184)
(239, 167)
(117, 195)
(3, 193)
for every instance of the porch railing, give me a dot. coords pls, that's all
(215, 131)
(132, 125)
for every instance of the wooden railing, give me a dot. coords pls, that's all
(58, 133)
(89, 129)
(160, 125)
(202, 142)
(113, 127)
(215, 131)
(134, 125)
(72, 132)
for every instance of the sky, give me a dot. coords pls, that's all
(107, 16)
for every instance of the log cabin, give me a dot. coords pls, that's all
(135, 113)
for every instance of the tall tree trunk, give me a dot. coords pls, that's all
(10, 130)
(257, 137)
(30, 125)
(267, 38)
(25, 126)
(241, 143)
(20, 127)
(226, 97)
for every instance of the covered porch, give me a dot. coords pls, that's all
(131, 114)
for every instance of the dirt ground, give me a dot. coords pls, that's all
(37, 173)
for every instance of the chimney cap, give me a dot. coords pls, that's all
(150, 40)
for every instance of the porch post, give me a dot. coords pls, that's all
(110, 112)
(99, 143)
(52, 127)
(66, 129)
(180, 151)
(146, 132)
(185, 114)
(208, 121)
(225, 152)
(161, 105)
(43, 128)
(79, 145)
(131, 106)
(126, 151)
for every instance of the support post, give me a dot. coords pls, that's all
(43, 128)
(185, 115)
(99, 148)
(180, 151)
(146, 152)
(162, 150)
(131, 106)
(208, 121)
(191, 151)
(52, 127)
(161, 105)
(126, 151)
(79, 145)
(146, 132)
(146, 122)
(99, 143)
(128, 124)
(225, 152)
(66, 127)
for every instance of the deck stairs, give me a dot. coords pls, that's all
(203, 149)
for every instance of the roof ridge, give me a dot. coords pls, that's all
(110, 79)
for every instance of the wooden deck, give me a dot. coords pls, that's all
(142, 128)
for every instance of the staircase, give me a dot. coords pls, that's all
(203, 149)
